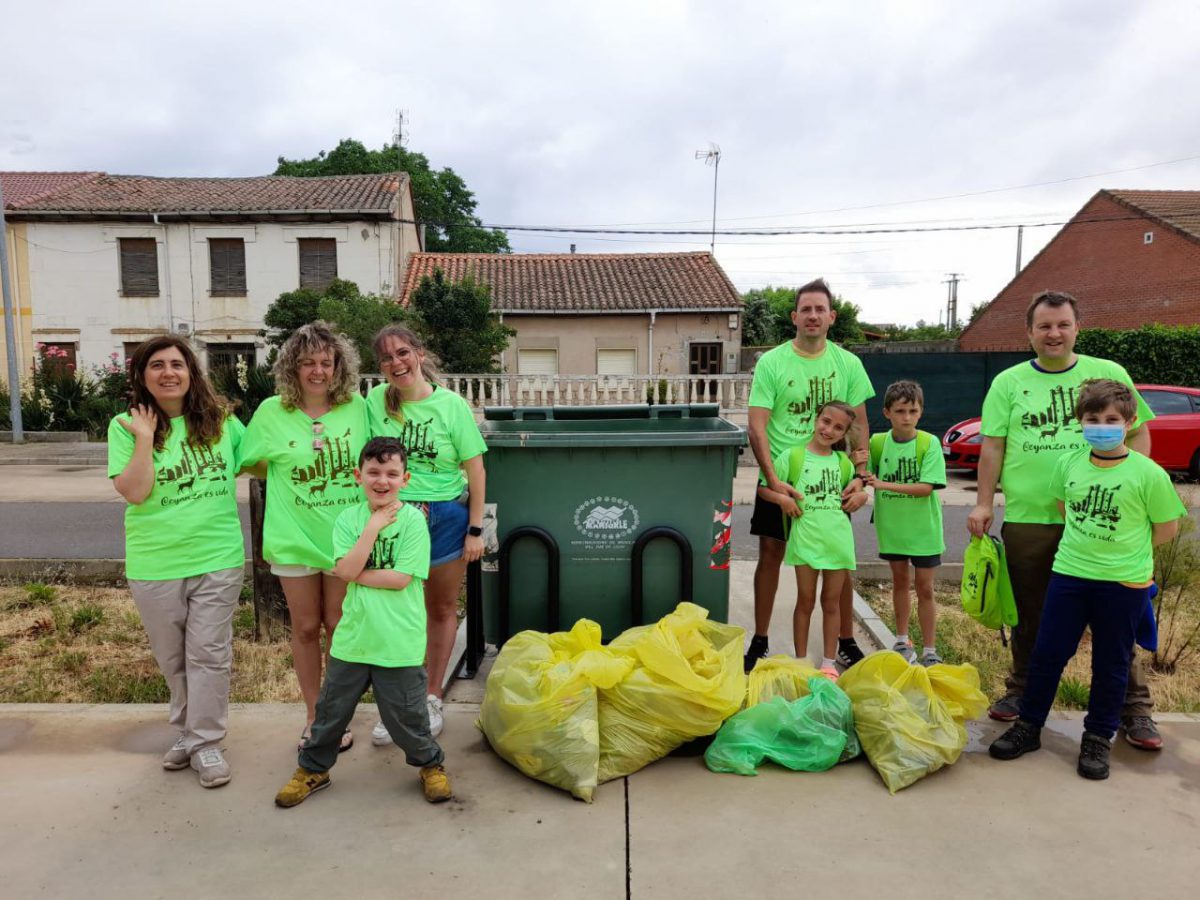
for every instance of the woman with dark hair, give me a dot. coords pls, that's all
(445, 464)
(174, 457)
(305, 441)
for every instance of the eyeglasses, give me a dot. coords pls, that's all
(318, 436)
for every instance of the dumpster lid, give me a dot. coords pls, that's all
(639, 425)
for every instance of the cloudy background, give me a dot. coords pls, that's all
(856, 116)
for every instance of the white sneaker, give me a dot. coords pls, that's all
(379, 735)
(177, 757)
(210, 763)
(436, 722)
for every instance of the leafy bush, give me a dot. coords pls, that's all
(1177, 608)
(245, 386)
(1152, 354)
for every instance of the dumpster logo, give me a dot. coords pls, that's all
(603, 518)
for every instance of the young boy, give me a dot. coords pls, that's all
(381, 548)
(1118, 505)
(906, 468)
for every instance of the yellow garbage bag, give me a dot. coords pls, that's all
(958, 688)
(905, 728)
(686, 681)
(779, 676)
(539, 709)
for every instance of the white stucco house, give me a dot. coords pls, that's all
(101, 262)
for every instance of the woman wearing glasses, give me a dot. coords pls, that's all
(305, 441)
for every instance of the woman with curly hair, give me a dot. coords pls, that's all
(446, 479)
(305, 441)
(174, 458)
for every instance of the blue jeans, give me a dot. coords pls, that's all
(447, 521)
(1112, 612)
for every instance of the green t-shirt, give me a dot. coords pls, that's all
(439, 434)
(903, 523)
(1034, 411)
(1109, 513)
(793, 387)
(307, 485)
(189, 524)
(382, 627)
(822, 537)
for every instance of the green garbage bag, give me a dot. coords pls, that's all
(810, 734)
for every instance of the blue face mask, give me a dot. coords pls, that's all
(1104, 437)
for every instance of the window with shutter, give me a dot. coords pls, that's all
(616, 362)
(318, 262)
(227, 267)
(537, 362)
(139, 267)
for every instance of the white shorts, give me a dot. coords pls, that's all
(294, 571)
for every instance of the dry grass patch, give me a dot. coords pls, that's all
(961, 639)
(86, 644)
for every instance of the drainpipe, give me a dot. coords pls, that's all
(650, 344)
(167, 276)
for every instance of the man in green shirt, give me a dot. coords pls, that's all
(790, 384)
(1028, 424)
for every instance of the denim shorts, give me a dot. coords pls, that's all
(447, 529)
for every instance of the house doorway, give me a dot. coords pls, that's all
(704, 358)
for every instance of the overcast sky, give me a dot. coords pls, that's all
(566, 114)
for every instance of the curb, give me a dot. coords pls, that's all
(949, 574)
(872, 624)
(80, 570)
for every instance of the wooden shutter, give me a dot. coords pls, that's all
(139, 267)
(318, 262)
(227, 266)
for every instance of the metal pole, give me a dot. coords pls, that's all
(712, 248)
(10, 335)
(1020, 234)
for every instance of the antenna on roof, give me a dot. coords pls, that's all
(399, 138)
(712, 157)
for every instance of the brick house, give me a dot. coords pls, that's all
(605, 313)
(1130, 257)
(102, 262)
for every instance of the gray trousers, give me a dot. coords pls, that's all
(190, 625)
(1029, 549)
(400, 694)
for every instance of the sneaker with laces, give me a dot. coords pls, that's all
(1093, 756)
(1006, 709)
(302, 784)
(436, 784)
(905, 649)
(379, 735)
(1023, 737)
(209, 763)
(436, 720)
(177, 757)
(758, 650)
(930, 658)
(829, 672)
(848, 652)
(1141, 732)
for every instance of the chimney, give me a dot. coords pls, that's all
(572, 248)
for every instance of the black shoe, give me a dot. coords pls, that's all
(1006, 709)
(1093, 756)
(1023, 737)
(758, 649)
(848, 652)
(1141, 732)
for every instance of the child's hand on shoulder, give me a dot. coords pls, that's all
(384, 516)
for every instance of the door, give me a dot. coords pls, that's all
(705, 359)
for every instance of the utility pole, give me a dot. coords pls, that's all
(712, 156)
(10, 334)
(952, 280)
(1020, 234)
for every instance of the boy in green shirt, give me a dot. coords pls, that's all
(381, 549)
(906, 469)
(1117, 504)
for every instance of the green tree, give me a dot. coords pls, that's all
(456, 320)
(774, 325)
(357, 315)
(922, 331)
(441, 199)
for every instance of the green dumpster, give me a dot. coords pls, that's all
(606, 503)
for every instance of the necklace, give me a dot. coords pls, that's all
(1094, 455)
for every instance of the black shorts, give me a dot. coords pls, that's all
(767, 519)
(919, 562)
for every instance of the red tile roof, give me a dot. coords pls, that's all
(587, 282)
(121, 194)
(27, 187)
(1178, 209)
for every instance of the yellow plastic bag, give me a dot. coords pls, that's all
(905, 728)
(779, 676)
(958, 688)
(686, 681)
(540, 706)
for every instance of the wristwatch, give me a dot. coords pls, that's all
(475, 531)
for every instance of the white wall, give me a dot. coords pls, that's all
(76, 286)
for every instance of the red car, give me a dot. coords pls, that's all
(1174, 432)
